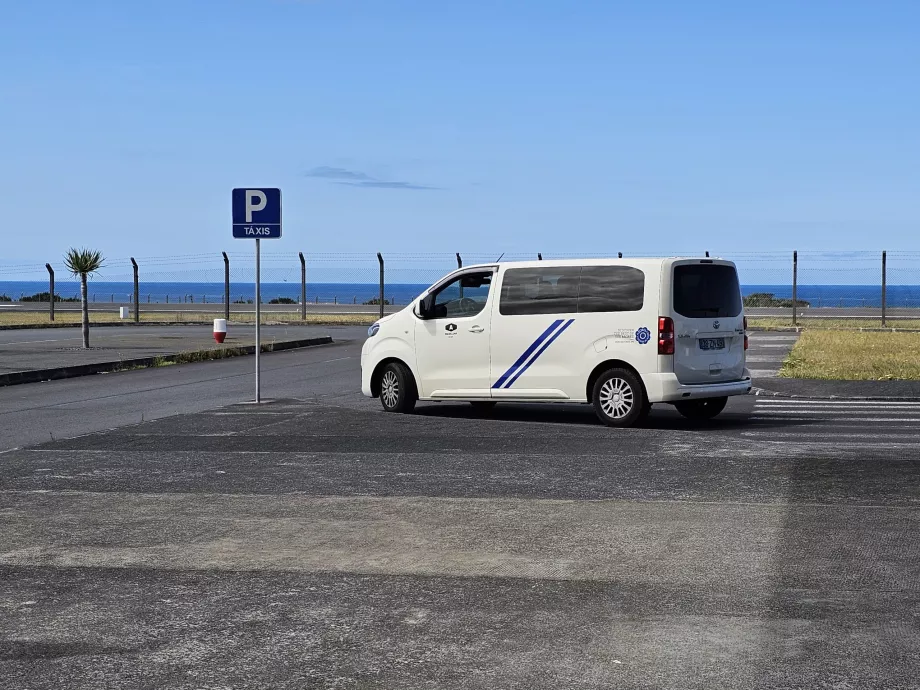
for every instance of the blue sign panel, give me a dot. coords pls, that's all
(257, 213)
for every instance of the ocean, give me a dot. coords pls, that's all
(403, 293)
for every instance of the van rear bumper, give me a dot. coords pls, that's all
(666, 388)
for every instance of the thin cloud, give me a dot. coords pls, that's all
(328, 173)
(356, 178)
(380, 184)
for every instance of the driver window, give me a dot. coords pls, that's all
(465, 296)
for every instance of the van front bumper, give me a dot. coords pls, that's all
(366, 370)
(666, 388)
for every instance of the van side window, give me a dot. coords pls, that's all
(463, 296)
(551, 290)
(611, 288)
(571, 289)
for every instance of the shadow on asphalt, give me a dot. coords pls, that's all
(662, 417)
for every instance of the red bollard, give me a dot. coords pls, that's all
(220, 330)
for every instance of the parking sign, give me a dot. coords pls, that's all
(256, 213)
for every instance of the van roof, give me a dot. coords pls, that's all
(630, 261)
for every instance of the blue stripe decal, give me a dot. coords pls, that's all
(539, 352)
(527, 353)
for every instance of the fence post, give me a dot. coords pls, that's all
(460, 265)
(380, 259)
(137, 295)
(884, 286)
(795, 287)
(539, 256)
(226, 286)
(51, 290)
(303, 287)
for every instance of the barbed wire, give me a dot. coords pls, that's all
(837, 277)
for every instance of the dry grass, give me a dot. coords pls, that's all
(834, 324)
(854, 356)
(11, 318)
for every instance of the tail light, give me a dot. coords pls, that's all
(665, 336)
(745, 334)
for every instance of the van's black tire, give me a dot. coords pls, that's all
(397, 388)
(483, 406)
(630, 408)
(701, 410)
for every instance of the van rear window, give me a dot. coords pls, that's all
(706, 291)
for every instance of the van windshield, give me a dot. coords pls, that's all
(706, 291)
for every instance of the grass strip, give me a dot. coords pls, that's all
(832, 324)
(854, 356)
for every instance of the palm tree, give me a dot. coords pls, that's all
(83, 263)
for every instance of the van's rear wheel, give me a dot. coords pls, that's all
(701, 410)
(397, 388)
(619, 398)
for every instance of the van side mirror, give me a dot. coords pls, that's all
(426, 307)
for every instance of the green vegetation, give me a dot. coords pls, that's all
(5, 298)
(282, 300)
(849, 356)
(767, 299)
(83, 263)
(375, 301)
(46, 297)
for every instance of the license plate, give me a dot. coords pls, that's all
(712, 343)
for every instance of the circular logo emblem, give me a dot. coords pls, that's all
(716, 324)
(643, 335)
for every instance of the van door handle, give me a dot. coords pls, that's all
(477, 329)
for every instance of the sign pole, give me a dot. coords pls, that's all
(257, 216)
(258, 323)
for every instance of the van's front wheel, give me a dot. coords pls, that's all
(701, 410)
(619, 398)
(397, 388)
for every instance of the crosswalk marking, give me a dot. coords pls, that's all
(829, 423)
(833, 418)
(867, 421)
(822, 403)
(862, 406)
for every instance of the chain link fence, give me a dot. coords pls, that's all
(836, 289)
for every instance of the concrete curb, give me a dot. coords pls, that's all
(764, 393)
(35, 376)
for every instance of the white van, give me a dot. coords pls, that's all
(618, 333)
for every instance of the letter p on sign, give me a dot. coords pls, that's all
(255, 201)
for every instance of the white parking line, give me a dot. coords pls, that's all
(33, 342)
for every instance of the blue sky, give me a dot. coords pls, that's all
(477, 126)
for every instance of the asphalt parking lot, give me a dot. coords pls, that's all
(329, 545)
